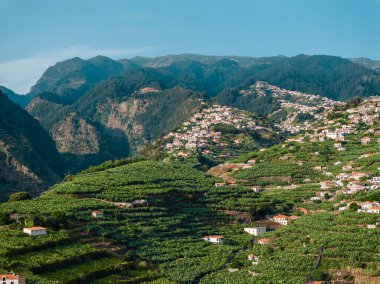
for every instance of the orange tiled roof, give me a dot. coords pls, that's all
(9, 276)
(215, 236)
(280, 216)
(35, 228)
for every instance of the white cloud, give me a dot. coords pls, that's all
(20, 74)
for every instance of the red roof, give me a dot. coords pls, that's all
(35, 228)
(265, 240)
(280, 216)
(97, 211)
(214, 237)
(376, 207)
(9, 276)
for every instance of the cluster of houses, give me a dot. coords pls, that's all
(197, 134)
(365, 207)
(347, 184)
(367, 112)
(294, 102)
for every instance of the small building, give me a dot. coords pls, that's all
(371, 226)
(256, 231)
(365, 140)
(251, 162)
(35, 231)
(97, 214)
(140, 203)
(219, 184)
(256, 189)
(327, 184)
(215, 239)
(253, 258)
(281, 219)
(347, 167)
(12, 278)
(375, 180)
(264, 241)
(358, 175)
(374, 209)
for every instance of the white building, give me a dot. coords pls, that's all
(35, 231)
(375, 180)
(256, 189)
(215, 239)
(12, 278)
(256, 231)
(281, 219)
(374, 209)
(97, 214)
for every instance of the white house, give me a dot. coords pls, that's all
(255, 230)
(97, 214)
(253, 258)
(281, 219)
(375, 180)
(256, 189)
(374, 209)
(365, 140)
(215, 239)
(35, 231)
(251, 162)
(12, 278)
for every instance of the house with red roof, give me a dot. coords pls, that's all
(12, 278)
(35, 231)
(97, 214)
(264, 241)
(215, 239)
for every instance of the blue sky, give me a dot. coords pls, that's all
(37, 34)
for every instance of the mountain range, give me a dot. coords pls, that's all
(102, 109)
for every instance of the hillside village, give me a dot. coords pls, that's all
(293, 104)
(200, 133)
(353, 137)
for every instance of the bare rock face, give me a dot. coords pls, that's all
(74, 135)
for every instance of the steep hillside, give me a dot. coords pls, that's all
(29, 160)
(315, 199)
(72, 78)
(114, 119)
(290, 111)
(368, 63)
(218, 133)
(105, 117)
(333, 77)
(21, 100)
